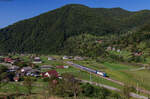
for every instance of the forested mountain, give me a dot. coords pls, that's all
(49, 32)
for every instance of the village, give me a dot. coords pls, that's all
(20, 69)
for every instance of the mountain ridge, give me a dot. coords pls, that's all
(47, 32)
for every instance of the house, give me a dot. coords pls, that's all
(78, 58)
(66, 67)
(67, 57)
(46, 67)
(33, 72)
(138, 54)
(50, 73)
(16, 79)
(59, 67)
(113, 49)
(51, 58)
(99, 41)
(118, 50)
(9, 60)
(109, 48)
(37, 60)
(13, 68)
(25, 69)
(62, 67)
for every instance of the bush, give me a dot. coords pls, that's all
(89, 90)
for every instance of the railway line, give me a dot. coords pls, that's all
(103, 75)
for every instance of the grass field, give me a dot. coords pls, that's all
(12, 87)
(116, 71)
(121, 72)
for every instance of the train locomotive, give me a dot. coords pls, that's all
(90, 70)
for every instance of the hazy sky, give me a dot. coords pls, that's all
(12, 11)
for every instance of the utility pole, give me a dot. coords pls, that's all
(137, 88)
(90, 77)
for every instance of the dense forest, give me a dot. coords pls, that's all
(74, 29)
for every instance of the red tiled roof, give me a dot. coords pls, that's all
(51, 73)
(16, 78)
(59, 66)
(8, 60)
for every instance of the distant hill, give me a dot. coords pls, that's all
(47, 32)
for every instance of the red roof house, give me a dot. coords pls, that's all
(16, 79)
(8, 60)
(50, 73)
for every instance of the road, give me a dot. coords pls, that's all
(115, 81)
(114, 89)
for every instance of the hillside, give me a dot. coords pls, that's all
(47, 32)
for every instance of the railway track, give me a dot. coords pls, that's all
(109, 79)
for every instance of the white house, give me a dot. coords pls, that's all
(37, 60)
(51, 58)
(66, 57)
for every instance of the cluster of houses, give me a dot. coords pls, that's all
(109, 48)
(74, 58)
(10, 60)
(30, 71)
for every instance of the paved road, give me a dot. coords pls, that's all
(115, 89)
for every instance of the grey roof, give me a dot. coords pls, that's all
(14, 67)
(46, 66)
(27, 68)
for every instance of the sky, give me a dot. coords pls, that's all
(12, 11)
